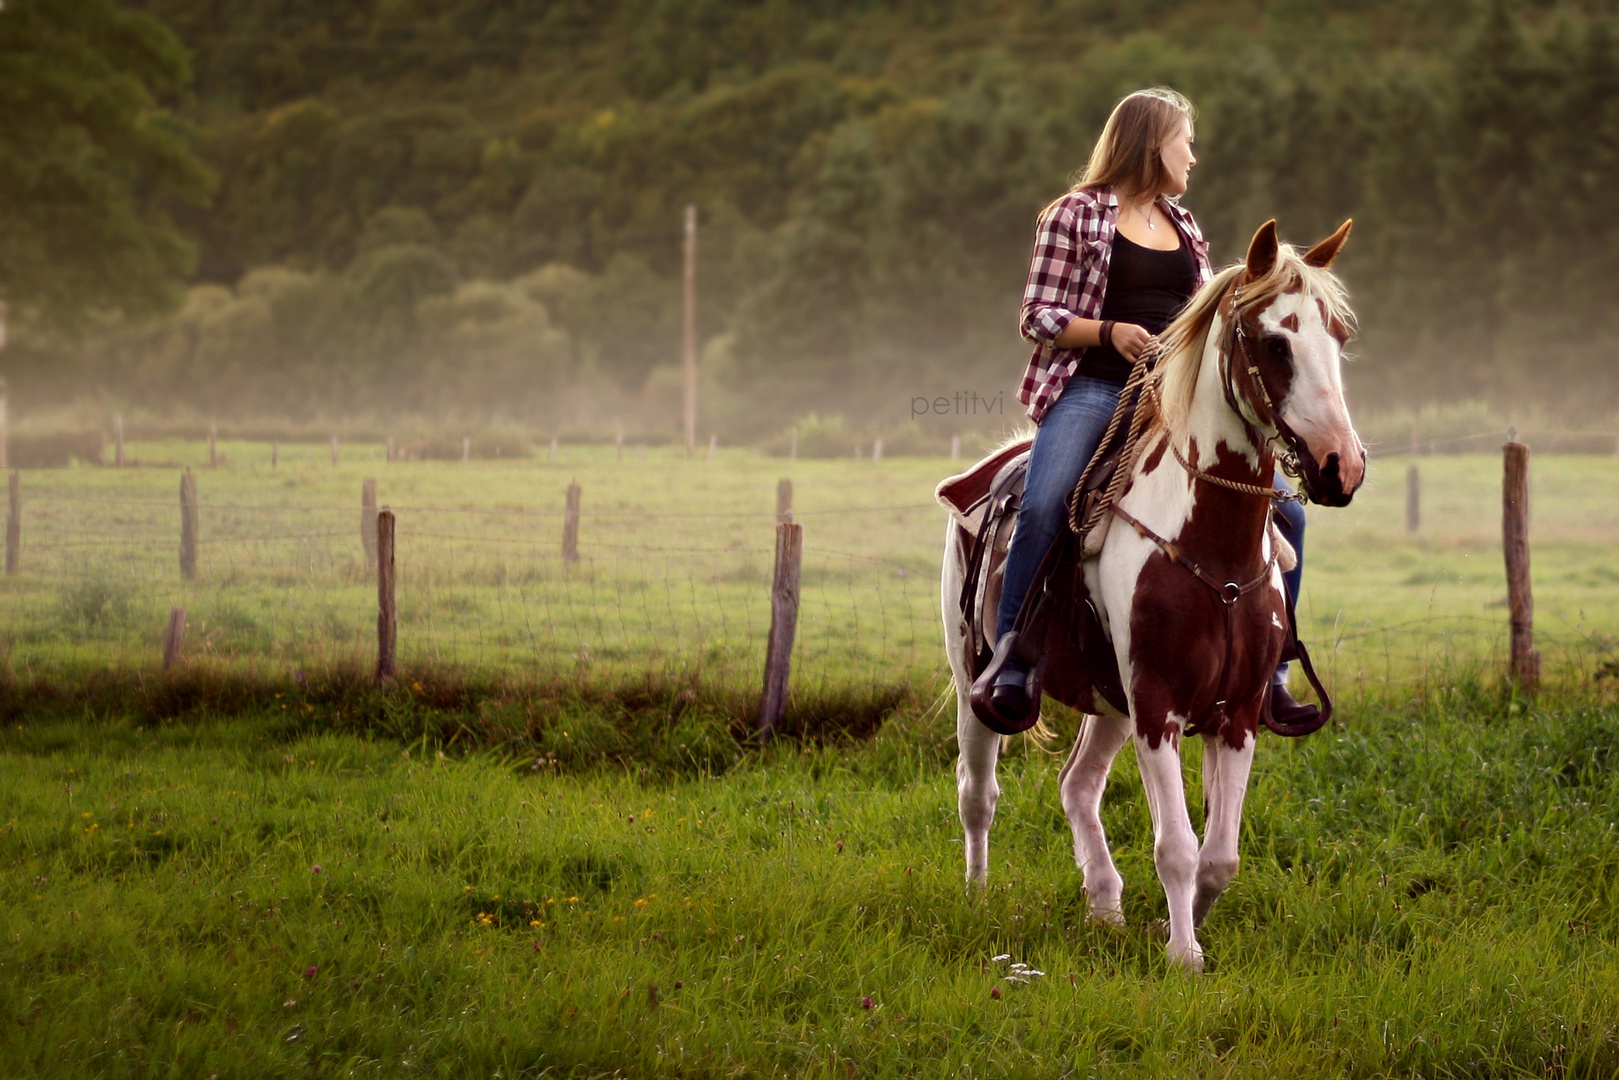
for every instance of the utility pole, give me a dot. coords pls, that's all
(5, 419)
(689, 338)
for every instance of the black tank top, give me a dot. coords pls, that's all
(1145, 287)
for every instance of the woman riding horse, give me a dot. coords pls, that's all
(1115, 259)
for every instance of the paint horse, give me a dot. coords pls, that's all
(1249, 371)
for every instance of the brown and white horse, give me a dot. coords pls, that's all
(1227, 396)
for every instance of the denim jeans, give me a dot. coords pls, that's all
(1063, 445)
(1067, 437)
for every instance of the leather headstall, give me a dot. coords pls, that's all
(1239, 356)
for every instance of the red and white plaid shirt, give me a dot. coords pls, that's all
(1073, 249)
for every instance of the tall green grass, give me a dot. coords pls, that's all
(1428, 889)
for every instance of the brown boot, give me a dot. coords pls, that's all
(1285, 709)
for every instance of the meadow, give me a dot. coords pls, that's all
(522, 862)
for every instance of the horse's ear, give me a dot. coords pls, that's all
(1262, 251)
(1327, 250)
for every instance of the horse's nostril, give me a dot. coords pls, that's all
(1330, 468)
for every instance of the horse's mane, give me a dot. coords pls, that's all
(1181, 346)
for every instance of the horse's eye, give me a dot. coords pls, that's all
(1278, 348)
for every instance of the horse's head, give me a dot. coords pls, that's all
(1292, 324)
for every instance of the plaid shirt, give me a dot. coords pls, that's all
(1073, 249)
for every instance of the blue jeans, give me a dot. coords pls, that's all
(1068, 436)
(1063, 445)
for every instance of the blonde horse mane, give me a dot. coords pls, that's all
(1181, 346)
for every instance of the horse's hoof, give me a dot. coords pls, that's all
(1187, 956)
(1108, 915)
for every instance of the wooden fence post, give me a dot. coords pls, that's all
(553, 456)
(570, 526)
(466, 448)
(213, 448)
(188, 525)
(14, 523)
(275, 453)
(713, 440)
(368, 521)
(1413, 498)
(877, 450)
(334, 451)
(392, 453)
(387, 612)
(784, 501)
(618, 447)
(1515, 547)
(118, 442)
(783, 625)
(173, 634)
(955, 447)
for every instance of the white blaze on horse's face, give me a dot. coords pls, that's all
(1314, 406)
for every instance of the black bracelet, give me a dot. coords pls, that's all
(1106, 334)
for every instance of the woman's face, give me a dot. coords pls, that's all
(1179, 159)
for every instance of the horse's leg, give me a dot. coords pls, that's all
(1225, 785)
(976, 788)
(1174, 846)
(1081, 784)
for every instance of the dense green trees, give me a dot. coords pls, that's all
(484, 196)
(89, 159)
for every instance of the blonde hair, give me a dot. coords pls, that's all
(1126, 158)
(1181, 346)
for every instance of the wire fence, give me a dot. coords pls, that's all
(675, 563)
(483, 587)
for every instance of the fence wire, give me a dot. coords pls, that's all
(674, 570)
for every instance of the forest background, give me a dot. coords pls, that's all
(466, 215)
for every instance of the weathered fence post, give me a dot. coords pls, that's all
(14, 523)
(783, 625)
(275, 453)
(713, 440)
(466, 448)
(877, 450)
(553, 456)
(1515, 547)
(784, 501)
(570, 525)
(188, 525)
(368, 520)
(118, 442)
(173, 634)
(955, 447)
(334, 451)
(1413, 499)
(392, 453)
(618, 447)
(213, 448)
(387, 611)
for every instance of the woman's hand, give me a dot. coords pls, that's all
(1130, 339)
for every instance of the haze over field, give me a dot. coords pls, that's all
(470, 210)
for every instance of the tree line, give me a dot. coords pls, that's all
(474, 205)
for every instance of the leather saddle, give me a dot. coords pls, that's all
(1058, 632)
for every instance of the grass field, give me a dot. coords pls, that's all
(235, 872)
(676, 561)
(1427, 891)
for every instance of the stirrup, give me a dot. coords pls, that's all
(991, 713)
